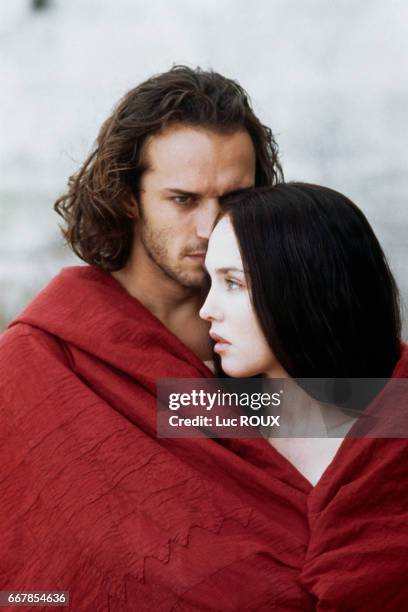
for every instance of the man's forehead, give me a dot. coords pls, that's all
(199, 179)
(198, 149)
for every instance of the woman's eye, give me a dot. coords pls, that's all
(232, 285)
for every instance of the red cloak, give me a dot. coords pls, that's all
(94, 504)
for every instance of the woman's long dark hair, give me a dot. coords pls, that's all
(321, 286)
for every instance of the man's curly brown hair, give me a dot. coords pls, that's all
(95, 207)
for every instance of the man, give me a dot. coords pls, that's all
(83, 472)
(143, 204)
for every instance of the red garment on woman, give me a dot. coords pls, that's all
(94, 504)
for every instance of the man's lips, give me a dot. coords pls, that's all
(221, 344)
(200, 257)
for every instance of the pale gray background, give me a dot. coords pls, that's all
(329, 77)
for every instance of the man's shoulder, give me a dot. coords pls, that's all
(19, 332)
(73, 303)
(21, 343)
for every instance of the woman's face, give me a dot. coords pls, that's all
(239, 339)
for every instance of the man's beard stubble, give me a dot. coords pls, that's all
(157, 252)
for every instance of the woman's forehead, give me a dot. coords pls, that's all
(223, 250)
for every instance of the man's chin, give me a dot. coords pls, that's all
(192, 280)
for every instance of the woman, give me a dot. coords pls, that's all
(300, 288)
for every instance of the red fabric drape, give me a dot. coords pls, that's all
(93, 503)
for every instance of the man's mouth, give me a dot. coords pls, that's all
(200, 257)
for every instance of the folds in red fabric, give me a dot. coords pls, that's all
(93, 503)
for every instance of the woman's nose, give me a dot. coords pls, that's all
(209, 310)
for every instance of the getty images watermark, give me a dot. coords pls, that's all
(223, 399)
(196, 407)
(304, 408)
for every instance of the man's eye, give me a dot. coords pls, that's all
(181, 199)
(232, 285)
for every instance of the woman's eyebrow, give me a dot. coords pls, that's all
(227, 269)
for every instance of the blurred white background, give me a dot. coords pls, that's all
(329, 77)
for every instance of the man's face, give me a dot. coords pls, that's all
(188, 170)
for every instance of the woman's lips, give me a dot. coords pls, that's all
(220, 343)
(221, 346)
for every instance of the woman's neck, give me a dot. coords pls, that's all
(303, 416)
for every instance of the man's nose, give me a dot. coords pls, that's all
(209, 310)
(206, 215)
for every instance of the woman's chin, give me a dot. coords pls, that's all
(238, 370)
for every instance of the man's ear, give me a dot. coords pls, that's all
(130, 205)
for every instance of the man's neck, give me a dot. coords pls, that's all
(175, 306)
(163, 296)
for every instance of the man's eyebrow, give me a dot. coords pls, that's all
(178, 191)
